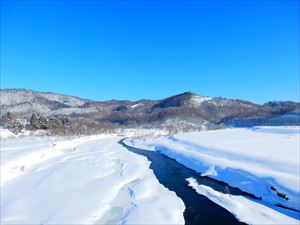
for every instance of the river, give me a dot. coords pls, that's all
(199, 209)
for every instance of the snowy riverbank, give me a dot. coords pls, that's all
(46, 180)
(263, 161)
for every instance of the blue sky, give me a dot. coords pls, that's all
(152, 49)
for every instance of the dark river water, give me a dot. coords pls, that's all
(199, 209)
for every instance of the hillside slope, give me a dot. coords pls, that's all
(28, 109)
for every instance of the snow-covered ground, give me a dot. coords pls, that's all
(4, 133)
(263, 161)
(243, 208)
(87, 180)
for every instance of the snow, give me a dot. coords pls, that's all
(86, 180)
(198, 100)
(242, 208)
(135, 105)
(67, 100)
(26, 107)
(11, 97)
(253, 160)
(69, 111)
(5, 133)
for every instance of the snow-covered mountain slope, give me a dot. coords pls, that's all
(198, 100)
(88, 180)
(263, 161)
(194, 112)
(16, 96)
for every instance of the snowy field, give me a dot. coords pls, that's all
(88, 180)
(94, 180)
(263, 161)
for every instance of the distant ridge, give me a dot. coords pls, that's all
(182, 112)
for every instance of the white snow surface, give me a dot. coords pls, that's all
(242, 208)
(135, 105)
(197, 100)
(10, 97)
(251, 159)
(87, 180)
(5, 133)
(25, 107)
(67, 100)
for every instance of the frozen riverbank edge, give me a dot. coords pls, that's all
(263, 161)
(87, 180)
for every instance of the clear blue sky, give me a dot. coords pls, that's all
(152, 49)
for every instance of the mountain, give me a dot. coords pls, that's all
(59, 113)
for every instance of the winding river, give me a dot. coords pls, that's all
(199, 209)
